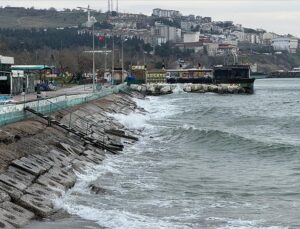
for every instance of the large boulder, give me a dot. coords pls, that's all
(187, 88)
(165, 89)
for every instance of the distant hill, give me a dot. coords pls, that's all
(18, 17)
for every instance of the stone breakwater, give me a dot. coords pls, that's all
(39, 162)
(163, 89)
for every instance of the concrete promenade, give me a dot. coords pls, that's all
(78, 89)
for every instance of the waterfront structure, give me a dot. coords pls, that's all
(289, 44)
(5, 74)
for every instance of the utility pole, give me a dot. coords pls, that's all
(108, 5)
(94, 58)
(113, 59)
(105, 63)
(122, 59)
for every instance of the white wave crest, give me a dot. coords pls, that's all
(118, 219)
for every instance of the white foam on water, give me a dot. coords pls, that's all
(119, 219)
(179, 89)
(243, 224)
(155, 107)
(105, 216)
(131, 121)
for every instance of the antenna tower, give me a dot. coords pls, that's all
(108, 5)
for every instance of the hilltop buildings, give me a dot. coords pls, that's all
(289, 44)
(197, 33)
(166, 13)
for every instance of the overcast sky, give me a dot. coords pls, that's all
(280, 16)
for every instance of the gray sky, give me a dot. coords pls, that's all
(280, 16)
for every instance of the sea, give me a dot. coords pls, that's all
(202, 161)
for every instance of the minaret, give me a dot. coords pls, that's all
(89, 13)
(112, 5)
(117, 8)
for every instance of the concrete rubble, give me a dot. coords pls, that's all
(35, 177)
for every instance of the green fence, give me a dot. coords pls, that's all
(11, 113)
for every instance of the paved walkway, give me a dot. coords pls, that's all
(81, 89)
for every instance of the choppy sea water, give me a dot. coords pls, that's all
(204, 161)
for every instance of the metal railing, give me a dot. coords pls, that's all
(10, 113)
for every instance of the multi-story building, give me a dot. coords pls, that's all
(211, 49)
(164, 33)
(240, 35)
(289, 44)
(166, 13)
(187, 25)
(268, 37)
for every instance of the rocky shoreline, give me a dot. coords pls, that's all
(163, 89)
(39, 162)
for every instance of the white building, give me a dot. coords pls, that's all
(255, 39)
(268, 37)
(211, 49)
(289, 44)
(166, 13)
(165, 33)
(7, 60)
(191, 37)
(240, 35)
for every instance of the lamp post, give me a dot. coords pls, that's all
(122, 42)
(113, 60)
(93, 57)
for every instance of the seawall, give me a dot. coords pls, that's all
(40, 162)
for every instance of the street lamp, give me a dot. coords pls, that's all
(94, 56)
(122, 41)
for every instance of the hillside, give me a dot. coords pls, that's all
(32, 37)
(32, 18)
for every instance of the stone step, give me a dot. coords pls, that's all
(65, 177)
(29, 166)
(51, 184)
(4, 197)
(12, 218)
(42, 190)
(39, 162)
(41, 206)
(25, 175)
(17, 210)
(5, 225)
(59, 158)
(14, 193)
(97, 158)
(14, 180)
